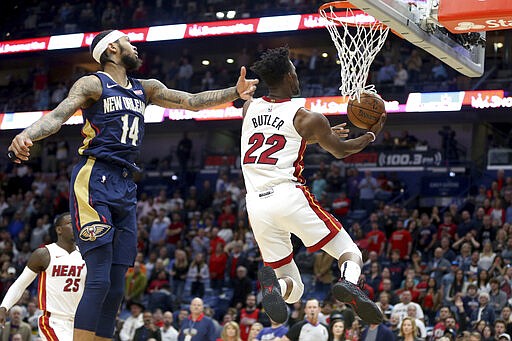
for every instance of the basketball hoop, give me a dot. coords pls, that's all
(358, 37)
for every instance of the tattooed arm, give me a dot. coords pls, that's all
(159, 94)
(85, 91)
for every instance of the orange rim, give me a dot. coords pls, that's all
(346, 5)
(338, 4)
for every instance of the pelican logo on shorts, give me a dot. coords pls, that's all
(92, 232)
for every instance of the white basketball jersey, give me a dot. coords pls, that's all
(61, 286)
(272, 151)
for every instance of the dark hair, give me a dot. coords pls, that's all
(57, 221)
(96, 40)
(273, 65)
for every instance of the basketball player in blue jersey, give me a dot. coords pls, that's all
(103, 194)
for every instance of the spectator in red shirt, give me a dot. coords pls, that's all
(367, 288)
(376, 239)
(248, 316)
(500, 179)
(497, 210)
(218, 261)
(400, 240)
(174, 230)
(228, 216)
(447, 228)
(215, 239)
(158, 281)
(410, 286)
(341, 205)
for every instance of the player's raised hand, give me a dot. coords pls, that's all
(20, 146)
(377, 127)
(3, 314)
(340, 130)
(245, 87)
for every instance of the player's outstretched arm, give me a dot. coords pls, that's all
(315, 128)
(160, 95)
(85, 89)
(37, 262)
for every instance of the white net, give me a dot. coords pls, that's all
(358, 37)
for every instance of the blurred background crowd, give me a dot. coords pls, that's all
(454, 264)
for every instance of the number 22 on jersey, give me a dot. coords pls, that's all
(265, 147)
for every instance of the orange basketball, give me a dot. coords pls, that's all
(367, 111)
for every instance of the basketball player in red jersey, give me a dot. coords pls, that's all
(62, 272)
(275, 132)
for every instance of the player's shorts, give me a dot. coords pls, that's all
(284, 209)
(103, 208)
(53, 328)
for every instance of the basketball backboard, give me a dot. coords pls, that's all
(417, 22)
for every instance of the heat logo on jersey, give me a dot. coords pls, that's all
(92, 232)
(67, 270)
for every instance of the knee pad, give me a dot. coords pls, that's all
(297, 291)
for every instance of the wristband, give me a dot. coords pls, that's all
(373, 135)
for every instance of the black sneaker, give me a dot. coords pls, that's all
(350, 293)
(272, 300)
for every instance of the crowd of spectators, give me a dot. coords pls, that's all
(40, 18)
(395, 72)
(449, 270)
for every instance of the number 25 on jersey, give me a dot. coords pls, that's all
(72, 284)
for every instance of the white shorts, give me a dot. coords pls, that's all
(53, 328)
(288, 208)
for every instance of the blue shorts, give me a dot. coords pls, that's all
(103, 199)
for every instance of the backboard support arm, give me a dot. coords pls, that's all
(399, 18)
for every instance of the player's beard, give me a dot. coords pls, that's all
(130, 61)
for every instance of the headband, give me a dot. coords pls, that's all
(103, 43)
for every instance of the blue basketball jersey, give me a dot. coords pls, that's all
(114, 126)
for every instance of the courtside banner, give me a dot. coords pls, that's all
(24, 45)
(396, 158)
(174, 32)
(330, 106)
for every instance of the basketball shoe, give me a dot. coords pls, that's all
(347, 292)
(272, 300)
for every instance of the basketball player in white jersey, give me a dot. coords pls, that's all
(275, 132)
(61, 271)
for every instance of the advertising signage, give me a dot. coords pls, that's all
(334, 105)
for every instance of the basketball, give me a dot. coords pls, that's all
(367, 111)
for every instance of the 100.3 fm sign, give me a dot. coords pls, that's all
(396, 158)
